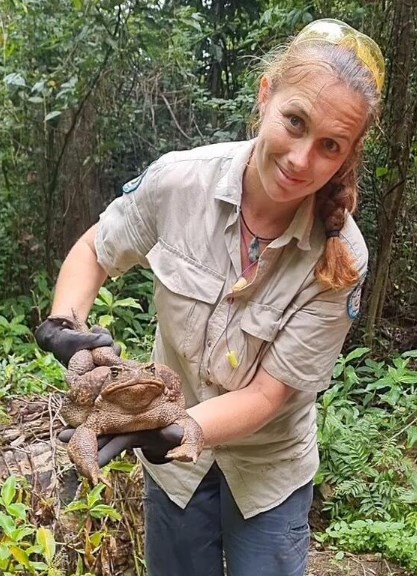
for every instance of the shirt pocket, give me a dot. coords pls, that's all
(248, 338)
(185, 293)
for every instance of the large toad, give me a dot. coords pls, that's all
(108, 395)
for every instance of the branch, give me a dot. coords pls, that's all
(167, 104)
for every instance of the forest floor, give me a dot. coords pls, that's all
(324, 563)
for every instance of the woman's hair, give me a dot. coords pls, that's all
(338, 198)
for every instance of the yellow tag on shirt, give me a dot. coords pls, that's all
(232, 358)
(240, 284)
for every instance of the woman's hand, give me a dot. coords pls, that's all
(53, 336)
(154, 443)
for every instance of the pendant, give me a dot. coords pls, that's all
(253, 251)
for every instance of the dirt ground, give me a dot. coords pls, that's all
(324, 563)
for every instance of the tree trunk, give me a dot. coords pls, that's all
(79, 180)
(400, 128)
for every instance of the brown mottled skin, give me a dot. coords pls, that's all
(109, 395)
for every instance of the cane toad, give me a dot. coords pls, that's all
(109, 395)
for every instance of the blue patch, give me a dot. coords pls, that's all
(133, 185)
(353, 303)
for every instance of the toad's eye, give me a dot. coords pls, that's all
(151, 369)
(114, 371)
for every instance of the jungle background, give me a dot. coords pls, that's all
(92, 92)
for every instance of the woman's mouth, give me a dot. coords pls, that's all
(288, 177)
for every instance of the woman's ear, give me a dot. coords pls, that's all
(264, 92)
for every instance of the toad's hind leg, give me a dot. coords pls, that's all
(82, 450)
(192, 441)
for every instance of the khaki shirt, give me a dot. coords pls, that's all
(181, 218)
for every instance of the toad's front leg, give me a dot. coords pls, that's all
(83, 452)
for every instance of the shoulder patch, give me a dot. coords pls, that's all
(133, 185)
(353, 302)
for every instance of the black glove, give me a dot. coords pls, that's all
(154, 443)
(53, 336)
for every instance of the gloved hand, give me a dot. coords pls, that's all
(53, 336)
(154, 443)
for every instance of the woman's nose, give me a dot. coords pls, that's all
(300, 155)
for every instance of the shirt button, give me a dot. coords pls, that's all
(209, 343)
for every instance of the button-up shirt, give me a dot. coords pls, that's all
(181, 219)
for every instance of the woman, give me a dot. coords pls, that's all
(258, 267)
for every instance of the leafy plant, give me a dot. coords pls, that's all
(88, 508)
(365, 420)
(23, 547)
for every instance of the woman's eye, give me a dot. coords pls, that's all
(296, 123)
(331, 146)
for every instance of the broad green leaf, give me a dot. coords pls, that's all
(128, 302)
(20, 555)
(412, 437)
(14, 79)
(102, 510)
(35, 99)
(96, 538)
(95, 495)
(6, 524)
(20, 533)
(45, 538)
(38, 86)
(356, 353)
(75, 506)
(409, 354)
(106, 320)
(4, 552)
(53, 114)
(121, 466)
(8, 490)
(106, 296)
(381, 171)
(7, 344)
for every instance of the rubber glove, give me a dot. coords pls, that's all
(53, 336)
(154, 443)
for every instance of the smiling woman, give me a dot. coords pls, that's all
(258, 266)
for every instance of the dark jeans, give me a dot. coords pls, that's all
(191, 542)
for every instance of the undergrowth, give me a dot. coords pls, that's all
(367, 432)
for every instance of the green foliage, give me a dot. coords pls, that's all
(24, 548)
(367, 424)
(92, 506)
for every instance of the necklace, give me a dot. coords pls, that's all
(254, 250)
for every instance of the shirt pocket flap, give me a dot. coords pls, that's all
(183, 275)
(261, 321)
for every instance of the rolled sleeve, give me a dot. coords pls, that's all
(127, 229)
(306, 349)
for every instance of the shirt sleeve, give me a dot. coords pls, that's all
(127, 229)
(306, 349)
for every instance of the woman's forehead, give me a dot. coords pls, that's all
(325, 100)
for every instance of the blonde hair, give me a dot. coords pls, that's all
(338, 198)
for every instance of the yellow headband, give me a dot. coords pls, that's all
(341, 34)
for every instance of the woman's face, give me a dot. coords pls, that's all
(307, 132)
